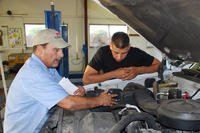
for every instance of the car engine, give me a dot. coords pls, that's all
(138, 110)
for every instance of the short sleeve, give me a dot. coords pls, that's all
(45, 90)
(97, 59)
(146, 59)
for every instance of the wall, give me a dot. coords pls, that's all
(28, 11)
(100, 15)
(72, 12)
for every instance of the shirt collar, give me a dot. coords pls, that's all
(35, 58)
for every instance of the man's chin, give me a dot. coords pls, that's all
(55, 65)
(118, 60)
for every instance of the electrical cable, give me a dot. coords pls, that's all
(195, 93)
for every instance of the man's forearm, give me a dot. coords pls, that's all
(149, 69)
(134, 71)
(77, 102)
(96, 78)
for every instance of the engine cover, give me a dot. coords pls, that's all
(180, 114)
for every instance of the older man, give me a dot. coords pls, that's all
(35, 89)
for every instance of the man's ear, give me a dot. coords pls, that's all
(39, 49)
(111, 45)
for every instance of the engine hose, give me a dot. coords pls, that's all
(126, 120)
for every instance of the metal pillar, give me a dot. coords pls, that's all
(3, 77)
(64, 63)
(53, 21)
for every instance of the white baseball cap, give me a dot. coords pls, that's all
(49, 36)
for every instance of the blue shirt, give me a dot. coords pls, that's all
(33, 92)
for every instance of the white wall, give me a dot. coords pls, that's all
(142, 43)
(72, 13)
(100, 15)
(33, 12)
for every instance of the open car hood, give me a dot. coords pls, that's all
(173, 26)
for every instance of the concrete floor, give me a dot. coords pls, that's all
(2, 105)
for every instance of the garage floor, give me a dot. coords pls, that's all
(2, 105)
(2, 98)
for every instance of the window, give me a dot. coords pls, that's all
(30, 31)
(100, 34)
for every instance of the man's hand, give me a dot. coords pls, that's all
(132, 73)
(80, 91)
(126, 73)
(121, 73)
(107, 99)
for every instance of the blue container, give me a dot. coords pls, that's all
(53, 20)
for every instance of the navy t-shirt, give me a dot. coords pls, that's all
(103, 59)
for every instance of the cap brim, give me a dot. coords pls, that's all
(60, 43)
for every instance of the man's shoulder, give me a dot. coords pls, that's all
(33, 68)
(103, 48)
(135, 50)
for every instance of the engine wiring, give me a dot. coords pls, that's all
(195, 93)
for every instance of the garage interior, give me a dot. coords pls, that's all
(167, 30)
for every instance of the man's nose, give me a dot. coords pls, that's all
(60, 53)
(119, 56)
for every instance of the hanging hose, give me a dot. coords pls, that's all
(53, 14)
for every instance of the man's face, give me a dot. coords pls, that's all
(119, 54)
(50, 55)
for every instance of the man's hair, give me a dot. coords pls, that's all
(35, 47)
(120, 40)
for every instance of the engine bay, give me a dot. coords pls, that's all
(155, 103)
(157, 106)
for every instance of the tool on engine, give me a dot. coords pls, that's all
(161, 69)
(95, 92)
(186, 95)
(148, 83)
(161, 89)
(164, 89)
(116, 91)
(174, 94)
